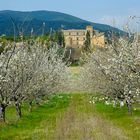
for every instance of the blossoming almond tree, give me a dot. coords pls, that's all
(33, 72)
(5, 90)
(115, 71)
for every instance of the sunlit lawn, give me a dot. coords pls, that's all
(41, 119)
(65, 111)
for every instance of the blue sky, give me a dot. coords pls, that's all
(101, 11)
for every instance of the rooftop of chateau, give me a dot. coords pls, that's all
(82, 30)
(96, 32)
(88, 27)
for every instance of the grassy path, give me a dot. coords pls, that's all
(71, 117)
(82, 122)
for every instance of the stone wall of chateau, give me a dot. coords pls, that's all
(76, 38)
(98, 40)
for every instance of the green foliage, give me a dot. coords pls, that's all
(45, 39)
(75, 63)
(3, 43)
(59, 38)
(87, 44)
(1, 48)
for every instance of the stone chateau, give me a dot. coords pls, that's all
(76, 38)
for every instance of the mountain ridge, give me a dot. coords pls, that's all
(34, 19)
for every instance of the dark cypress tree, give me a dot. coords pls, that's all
(87, 44)
(59, 38)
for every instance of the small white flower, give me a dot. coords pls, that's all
(121, 103)
(107, 103)
(134, 109)
(90, 102)
(93, 102)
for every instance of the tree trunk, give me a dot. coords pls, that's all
(2, 113)
(18, 109)
(30, 106)
(37, 102)
(129, 107)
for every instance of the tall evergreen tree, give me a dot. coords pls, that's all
(87, 44)
(59, 37)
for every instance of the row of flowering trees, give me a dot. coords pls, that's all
(29, 73)
(115, 72)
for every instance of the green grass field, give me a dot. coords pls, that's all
(33, 125)
(71, 117)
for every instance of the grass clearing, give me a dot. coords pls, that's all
(119, 117)
(75, 70)
(42, 118)
(72, 117)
